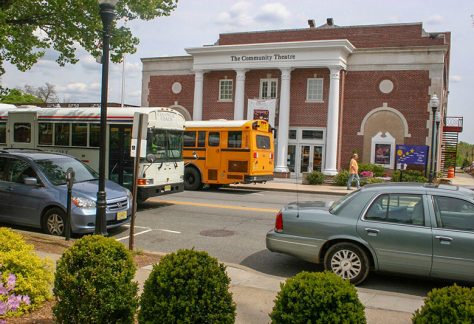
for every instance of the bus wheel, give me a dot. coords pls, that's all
(192, 179)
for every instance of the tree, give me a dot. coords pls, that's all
(47, 93)
(29, 27)
(16, 96)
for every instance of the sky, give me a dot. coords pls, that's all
(196, 23)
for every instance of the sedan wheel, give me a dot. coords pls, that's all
(348, 261)
(54, 221)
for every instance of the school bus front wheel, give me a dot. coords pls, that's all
(192, 178)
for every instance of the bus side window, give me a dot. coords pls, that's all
(3, 133)
(214, 139)
(234, 139)
(189, 139)
(201, 139)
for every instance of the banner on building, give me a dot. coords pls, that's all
(412, 154)
(262, 109)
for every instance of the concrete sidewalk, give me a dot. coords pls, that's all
(292, 185)
(254, 293)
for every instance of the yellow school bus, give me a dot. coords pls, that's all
(219, 152)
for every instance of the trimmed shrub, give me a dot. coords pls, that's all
(23, 273)
(341, 178)
(376, 169)
(315, 177)
(187, 287)
(451, 304)
(366, 181)
(315, 297)
(409, 176)
(93, 283)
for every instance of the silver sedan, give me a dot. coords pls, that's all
(404, 228)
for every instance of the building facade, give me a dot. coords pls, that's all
(328, 90)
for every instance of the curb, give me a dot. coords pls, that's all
(310, 191)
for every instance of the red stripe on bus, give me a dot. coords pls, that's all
(84, 117)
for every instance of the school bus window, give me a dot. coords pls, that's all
(189, 139)
(22, 132)
(3, 133)
(79, 134)
(201, 139)
(45, 134)
(234, 140)
(94, 135)
(214, 139)
(61, 134)
(263, 142)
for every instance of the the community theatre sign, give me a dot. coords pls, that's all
(265, 58)
(328, 90)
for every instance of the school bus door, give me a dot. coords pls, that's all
(213, 159)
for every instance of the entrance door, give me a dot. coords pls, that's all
(120, 162)
(311, 157)
(22, 129)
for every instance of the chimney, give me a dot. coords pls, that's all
(311, 23)
(330, 22)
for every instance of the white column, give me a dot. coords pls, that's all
(239, 95)
(283, 121)
(198, 87)
(332, 127)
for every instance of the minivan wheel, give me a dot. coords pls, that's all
(54, 221)
(192, 179)
(348, 261)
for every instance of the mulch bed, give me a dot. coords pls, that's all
(44, 315)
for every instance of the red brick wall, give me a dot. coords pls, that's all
(409, 96)
(211, 107)
(360, 36)
(160, 94)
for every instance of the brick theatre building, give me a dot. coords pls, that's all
(328, 90)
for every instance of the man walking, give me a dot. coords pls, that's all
(353, 172)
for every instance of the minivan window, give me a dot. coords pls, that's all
(55, 170)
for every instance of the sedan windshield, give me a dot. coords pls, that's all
(55, 170)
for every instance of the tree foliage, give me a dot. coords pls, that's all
(16, 96)
(29, 27)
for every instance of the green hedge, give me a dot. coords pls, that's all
(93, 283)
(315, 177)
(315, 297)
(451, 304)
(187, 287)
(378, 170)
(341, 178)
(409, 176)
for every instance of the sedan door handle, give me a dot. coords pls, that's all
(442, 239)
(372, 231)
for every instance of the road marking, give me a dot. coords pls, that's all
(128, 225)
(168, 231)
(188, 203)
(139, 233)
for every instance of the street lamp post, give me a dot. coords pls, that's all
(434, 103)
(438, 121)
(107, 9)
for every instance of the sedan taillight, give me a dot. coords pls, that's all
(279, 222)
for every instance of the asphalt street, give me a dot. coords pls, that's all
(231, 224)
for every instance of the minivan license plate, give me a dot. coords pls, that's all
(122, 215)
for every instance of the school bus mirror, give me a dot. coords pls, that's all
(195, 156)
(150, 158)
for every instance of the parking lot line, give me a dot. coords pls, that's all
(139, 233)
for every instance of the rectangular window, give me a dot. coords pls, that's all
(314, 89)
(3, 133)
(61, 134)
(234, 140)
(214, 139)
(263, 142)
(94, 135)
(22, 132)
(201, 139)
(312, 134)
(189, 139)
(45, 134)
(79, 134)
(225, 89)
(292, 134)
(268, 88)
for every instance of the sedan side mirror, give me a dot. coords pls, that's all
(30, 181)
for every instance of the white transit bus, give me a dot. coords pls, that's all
(75, 131)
